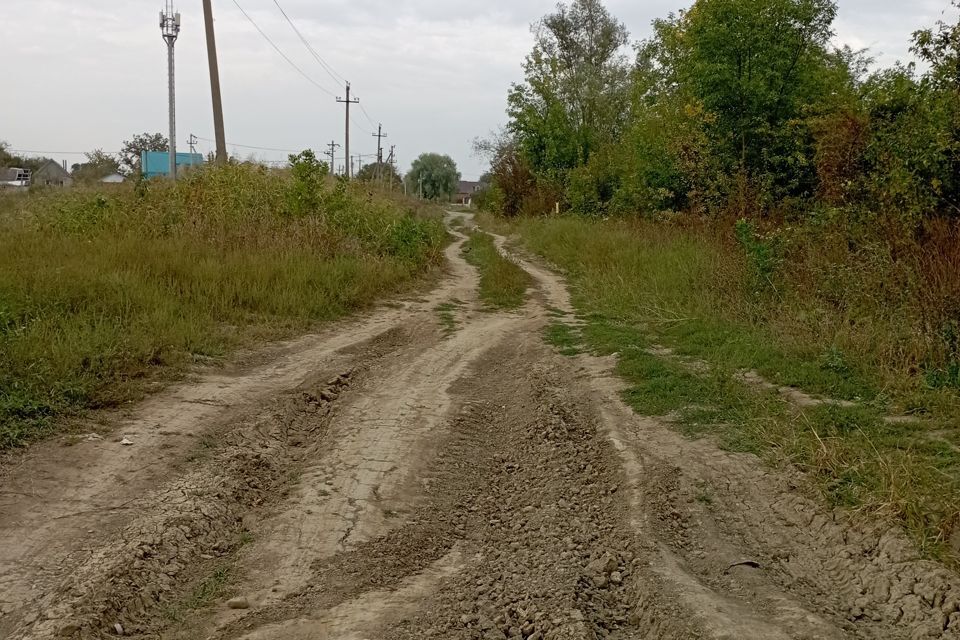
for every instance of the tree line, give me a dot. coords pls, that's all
(432, 175)
(731, 106)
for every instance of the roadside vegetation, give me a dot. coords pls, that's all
(755, 199)
(106, 292)
(679, 312)
(503, 284)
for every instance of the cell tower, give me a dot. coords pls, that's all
(170, 27)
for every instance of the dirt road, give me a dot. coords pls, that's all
(390, 478)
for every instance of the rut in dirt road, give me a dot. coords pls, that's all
(385, 479)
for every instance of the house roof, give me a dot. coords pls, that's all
(51, 168)
(10, 175)
(466, 186)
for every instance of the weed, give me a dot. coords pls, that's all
(203, 594)
(564, 337)
(446, 313)
(763, 255)
(638, 284)
(503, 284)
(106, 292)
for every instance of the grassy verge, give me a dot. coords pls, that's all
(104, 293)
(503, 285)
(642, 286)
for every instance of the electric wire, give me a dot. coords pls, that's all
(323, 63)
(333, 73)
(60, 153)
(282, 54)
(372, 123)
(248, 146)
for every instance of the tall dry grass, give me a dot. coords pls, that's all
(105, 290)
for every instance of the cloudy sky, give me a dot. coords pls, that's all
(84, 75)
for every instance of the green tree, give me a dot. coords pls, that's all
(940, 47)
(6, 158)
(576, 80)
(434, 176)
(98, 166)
(382, 173)
(132, 149)
(753, 70)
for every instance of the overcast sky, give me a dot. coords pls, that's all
(84, 75)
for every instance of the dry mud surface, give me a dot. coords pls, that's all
(390, 479)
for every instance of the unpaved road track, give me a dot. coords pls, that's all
(389, 479)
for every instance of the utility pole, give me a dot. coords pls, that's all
(346, 136)
(192, 140)
(379, 135)
(170, 28)
(219, 135)
(391, 159)
(333, 148)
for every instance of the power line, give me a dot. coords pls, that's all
(372, 123)
(62, 153)
(247, 146)
(327, 67)
(323, 63)
(282, 54)
(336, 76)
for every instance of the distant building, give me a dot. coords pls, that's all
(155, 164)
(52, 174)
(465, 192)
(113, 178)
(15, 178)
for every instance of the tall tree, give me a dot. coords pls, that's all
(754, 67)
(380, 172)
(98, 165)
(436, 174)
(132, 149)
(576, 79)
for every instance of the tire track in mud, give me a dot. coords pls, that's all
(401, 483)
(758, 559)
(197, 515)
(361, 482)
(65, 518)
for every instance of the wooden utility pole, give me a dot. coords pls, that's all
(346, 137)
(379, 135)
(391, 159)
(219, 134)
(333, 148)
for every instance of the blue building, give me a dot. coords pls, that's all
(157, 163)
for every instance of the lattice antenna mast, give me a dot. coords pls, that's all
(170, 28)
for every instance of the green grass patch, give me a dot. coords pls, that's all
(446, 312)
(565, 338)
(104, 292)
(639, 284)
(503, 284)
